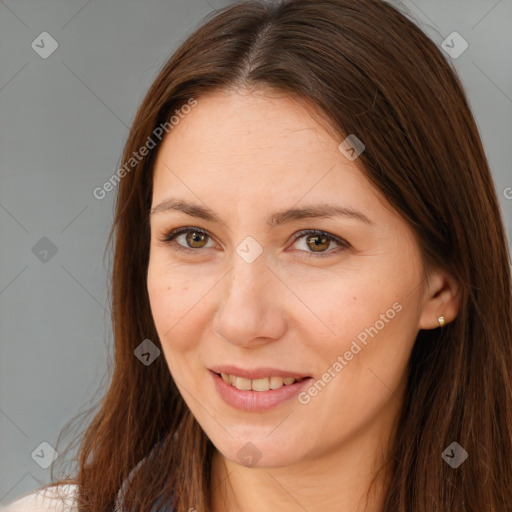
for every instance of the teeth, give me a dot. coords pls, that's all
(257, 384)
(276, 382)
(242, 383)
(260, 385)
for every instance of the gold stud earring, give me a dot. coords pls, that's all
(441, 321)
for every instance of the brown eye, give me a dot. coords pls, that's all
(318, 243)
(187, 239)
(195, 239)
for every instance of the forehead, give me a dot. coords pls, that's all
(249, 131)
(277, 110)
(256, 147)
(234, 122)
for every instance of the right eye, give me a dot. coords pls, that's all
(192, 236)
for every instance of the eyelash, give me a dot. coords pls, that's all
(169, 237)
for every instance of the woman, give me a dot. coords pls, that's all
(311, 248)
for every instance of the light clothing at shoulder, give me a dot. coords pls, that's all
(61, 498)
(54, 499)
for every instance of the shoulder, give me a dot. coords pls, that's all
(59, 498)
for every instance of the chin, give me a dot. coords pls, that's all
(259, 449)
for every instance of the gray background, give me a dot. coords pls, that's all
(63, 123)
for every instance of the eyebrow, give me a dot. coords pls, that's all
(323, 210)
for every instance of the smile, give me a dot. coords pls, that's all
(263, 384)
(257, 394)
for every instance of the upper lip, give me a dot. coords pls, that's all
(256, 373)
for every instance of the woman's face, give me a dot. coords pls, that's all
(262, 302)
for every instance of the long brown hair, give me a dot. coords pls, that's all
(424, 153)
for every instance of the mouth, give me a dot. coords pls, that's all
(257, 390)
(259, 384)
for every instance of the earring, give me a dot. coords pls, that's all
(441, 321)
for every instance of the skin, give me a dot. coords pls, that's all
(245, 155)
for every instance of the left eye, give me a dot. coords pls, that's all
(316, 240)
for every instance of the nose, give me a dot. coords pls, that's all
(250, 311)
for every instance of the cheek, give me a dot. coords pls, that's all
(368, 322)
(180, 301)
(371, 353)
(341, 308)
(171, 304)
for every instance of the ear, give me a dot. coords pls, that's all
(442, 297)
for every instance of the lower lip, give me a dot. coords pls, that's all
(256, 401)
